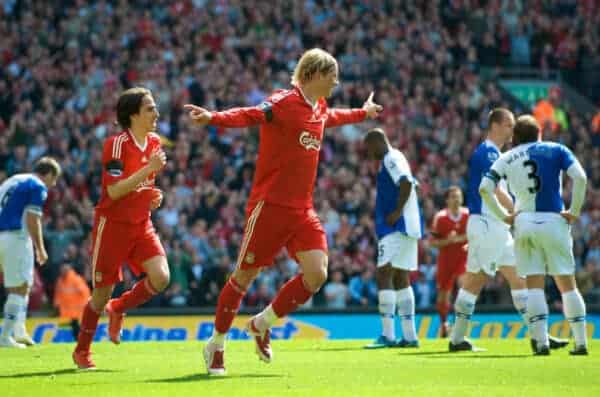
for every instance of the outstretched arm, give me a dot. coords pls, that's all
(232, 118)
(337, 117)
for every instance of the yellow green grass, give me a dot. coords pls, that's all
(302, 368)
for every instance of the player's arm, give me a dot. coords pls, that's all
(438, 242)
(404, 189)
(34, 227)
(337, 117)
(405, 183)
(504, 198)
(232, 118)
(436, 239)
(577, 174)
(33, 221)
(121, 187)
(487, 189)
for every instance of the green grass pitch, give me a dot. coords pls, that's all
(302, 368)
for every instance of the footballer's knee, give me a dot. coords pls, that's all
(244, 278)
(401, 279)
(22, 290)
(315, 278)
(158, 273)
(160, 280)
(100, 297)
(314, 268)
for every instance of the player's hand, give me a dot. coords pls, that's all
(510, 218)
(41, 256)
(199, 116)
(570, 218)
(158, 160)
(392, 218)
(371, 107)
(157, 198)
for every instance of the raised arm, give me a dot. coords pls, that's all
(337, 117)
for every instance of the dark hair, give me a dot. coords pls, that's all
(130, 103)
(46, 165)
(375, 134)
(450, 190)
(526, 130)
(497, 116)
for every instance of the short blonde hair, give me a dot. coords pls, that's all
(47, 165)
(312, 62)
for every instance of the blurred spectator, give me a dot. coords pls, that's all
(71, 294)
(363, 289)
(336, 292)
(58, 92)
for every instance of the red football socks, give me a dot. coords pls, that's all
(89, 323)
(290, 296)
(228, 305)
(141, 292)
(443, 309)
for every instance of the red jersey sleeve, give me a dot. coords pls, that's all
(270, 110)
(435, 232)
(242, 117)
(337, 117)
(113, 166)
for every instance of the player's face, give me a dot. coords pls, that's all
(507, 128)
(148, 115)
(50, 180)
(375, 151)
(455, 199)
(329, 81)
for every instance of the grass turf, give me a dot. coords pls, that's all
(302, 368)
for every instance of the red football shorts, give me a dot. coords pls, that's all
(269, 228)
(447, 273)
(116, 243)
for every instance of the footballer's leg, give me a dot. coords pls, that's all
(518, 290)
(228, 305)
(445, 281)
(82, 356)
(21, 335)
(294, 293)
(157, 278)
(463, 310)
(405, 304)
(574, 310)
(537, 312)
(15, 304)
(387, 307)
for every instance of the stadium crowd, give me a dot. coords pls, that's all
(63, 64)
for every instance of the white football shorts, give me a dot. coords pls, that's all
(16, 258)
(399, 250)
(490, 245)
(543, 244)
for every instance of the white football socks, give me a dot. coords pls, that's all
(574, 309)
(463, 310)
(14, 305)
(519, 297)
(387, 310)
(537, 312)
(405, 302)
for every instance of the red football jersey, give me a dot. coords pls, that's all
(122, 157)
(291, 132)
(443, 224)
